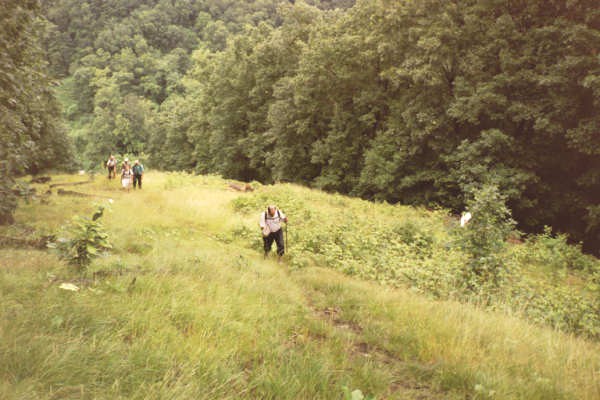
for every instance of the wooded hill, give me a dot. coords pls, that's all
(419, 102)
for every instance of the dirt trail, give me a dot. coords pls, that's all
(410, 378)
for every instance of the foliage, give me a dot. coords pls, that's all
(87, 239)
(31, 135)
(484, 237)
(413, 102)
(432, 254)
(125, 65)
(559, 306)
(418, 102)
(552, 251)
(9, 199)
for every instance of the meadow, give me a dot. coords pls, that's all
(365, 305)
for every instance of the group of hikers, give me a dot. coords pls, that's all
(130, 174)
(269, 222)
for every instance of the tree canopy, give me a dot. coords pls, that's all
(31, 132)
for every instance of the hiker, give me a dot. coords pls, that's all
(138, 172)
(125, 164)
(126, 177)
(270, 223)
(111, 165)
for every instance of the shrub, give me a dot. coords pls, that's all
(557, 306)
(87, 239)
(552, 250)
(484, 238)
(412, 234)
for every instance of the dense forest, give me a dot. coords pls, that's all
(32, 137)
(419, 102)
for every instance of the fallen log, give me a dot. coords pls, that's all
(41, 179)
(70, 183)
(26, 192)
(31, 242)
(63, 192)
(241, 187)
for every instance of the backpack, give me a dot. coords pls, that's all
(137, 169)
(267, 215)
(266, 231)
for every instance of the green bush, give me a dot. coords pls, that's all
(86, 240)
(556, 305)
(414, 235)
(553, 251)
(484, 238)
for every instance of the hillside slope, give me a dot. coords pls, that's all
(185, 307)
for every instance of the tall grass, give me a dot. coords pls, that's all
(186, 308)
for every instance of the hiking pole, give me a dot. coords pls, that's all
(287, 244)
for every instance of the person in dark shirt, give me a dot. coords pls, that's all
(138, 173)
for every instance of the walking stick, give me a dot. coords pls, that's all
(287, 244)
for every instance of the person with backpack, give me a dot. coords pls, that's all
(138, 172)
(111, 165)
(126, 177)
(125, 164)
(270, 224)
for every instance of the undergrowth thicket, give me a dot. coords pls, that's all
(428, 251)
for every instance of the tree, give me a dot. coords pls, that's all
(30, 132)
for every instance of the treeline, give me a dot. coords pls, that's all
(121, 59)
(32, 137)
(419, 102)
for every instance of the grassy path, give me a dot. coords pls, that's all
(179, 310)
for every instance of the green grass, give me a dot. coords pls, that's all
(185, 307)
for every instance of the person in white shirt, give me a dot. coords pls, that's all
(111, 165)
(270, 223)
(126, 177)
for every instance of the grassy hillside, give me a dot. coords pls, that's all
(184, 306)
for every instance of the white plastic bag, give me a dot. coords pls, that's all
(266, 231)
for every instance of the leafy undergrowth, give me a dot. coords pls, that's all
(181, 307)
(545, 280)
